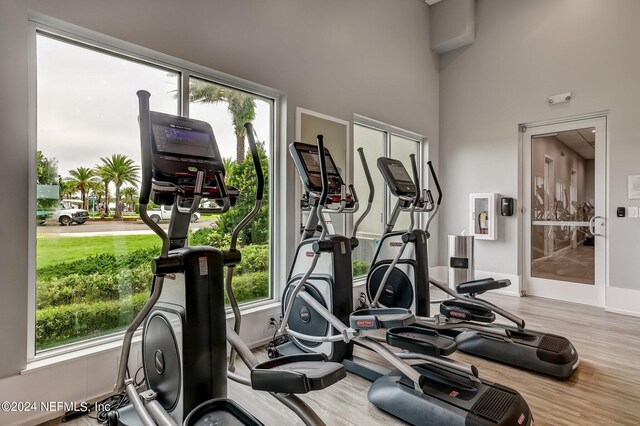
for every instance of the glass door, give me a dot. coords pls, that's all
(564, 220)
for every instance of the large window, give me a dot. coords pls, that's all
(379, 140)
(92, 250)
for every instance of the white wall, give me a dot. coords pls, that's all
(369, 57)
(524, 52)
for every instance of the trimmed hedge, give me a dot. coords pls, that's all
(360, 268)
(99, 264)
(255, 258)
(209, 236)
(75, 288)
(250, 287)
(66, 322)
(63, 324)
(89, 297)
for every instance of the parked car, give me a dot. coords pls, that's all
(68, 212)
(164, 213)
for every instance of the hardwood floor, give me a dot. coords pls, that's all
(605, 390)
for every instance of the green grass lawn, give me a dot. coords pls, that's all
(54, 249)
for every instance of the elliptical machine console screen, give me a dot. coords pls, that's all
(399, 172)
(397, 177)
(312, 161)
(308, 163)
(182, 141)
(182, 146)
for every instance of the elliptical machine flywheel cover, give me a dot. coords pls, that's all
(161, 357)
(398, 290)
(305, 319)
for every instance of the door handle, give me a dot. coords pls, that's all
(592, 226)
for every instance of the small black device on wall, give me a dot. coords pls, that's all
(506, 206)
(621, 212)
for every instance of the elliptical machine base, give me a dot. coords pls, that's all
(464, 405)
(543, 353)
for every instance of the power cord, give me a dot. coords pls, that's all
(362, 301)
(135, 377)
(272, 347)
(111, 405)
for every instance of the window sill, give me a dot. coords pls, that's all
(69, 355)
(111, 343)
(361, 280)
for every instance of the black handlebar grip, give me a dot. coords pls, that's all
(435, 180)
(145, 145)
(323, 170)
(416, 176)
(367, 174)
(256, 161)
(222, 186)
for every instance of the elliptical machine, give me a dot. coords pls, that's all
(185, 331)
(317, 305)
(399, 277)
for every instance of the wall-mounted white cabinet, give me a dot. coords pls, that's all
(484, 216)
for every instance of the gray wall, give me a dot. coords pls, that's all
(524, 52)
(336, 57)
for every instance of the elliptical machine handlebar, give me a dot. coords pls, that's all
(372, 191)
(146, 169)
(237, 317)
(256, 161)
(145, 135)
(224, 195)
(435, 182)
(259, 187)
(325, 188)
(323, 170)
(416, 177)
(437, 205)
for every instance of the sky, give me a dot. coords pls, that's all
(88, 108)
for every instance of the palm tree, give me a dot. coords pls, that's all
(67, 188)
(129, 195)
(121, 169)
(81, 178)
(106, 176)
(227, 162)
(241, 106)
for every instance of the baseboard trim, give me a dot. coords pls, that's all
(622, 312)
(623, 301)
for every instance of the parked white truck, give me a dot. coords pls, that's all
(68, 212)
(164, 213)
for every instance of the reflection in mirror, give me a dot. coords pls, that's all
(335, 134)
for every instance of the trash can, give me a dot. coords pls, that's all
(460, 259)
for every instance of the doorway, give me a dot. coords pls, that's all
(564, 172)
